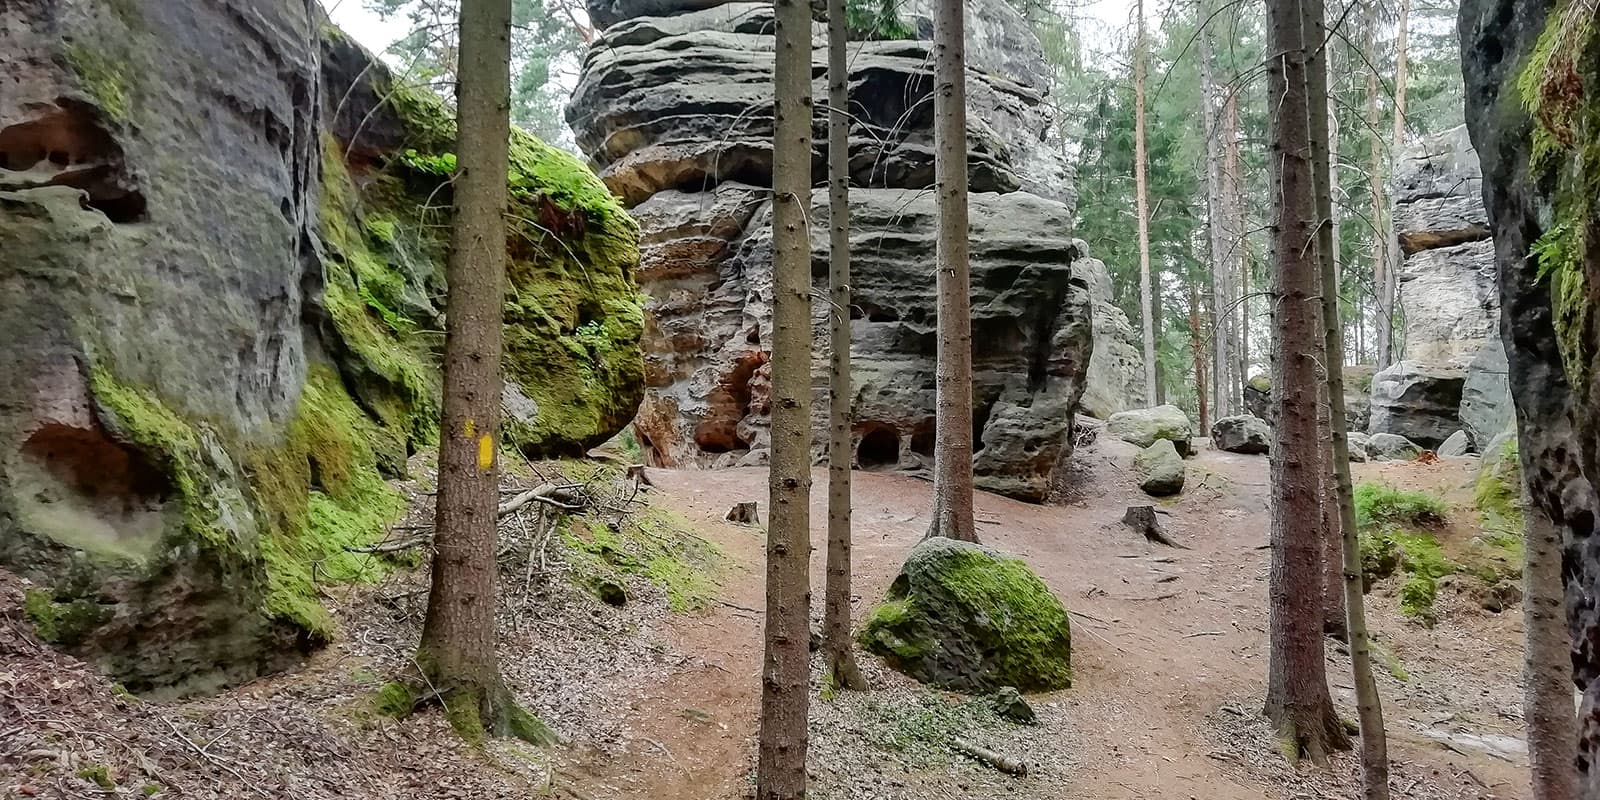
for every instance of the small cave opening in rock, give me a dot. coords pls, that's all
(874, 313)
(879, 449)
(980, 420)
(719, 432)
(83, 488)
(922, 440)
(67, 145)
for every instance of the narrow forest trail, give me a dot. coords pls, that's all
(1169, 646)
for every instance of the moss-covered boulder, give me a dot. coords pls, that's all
(1145, 426)
(964, 617)
(1159, 469)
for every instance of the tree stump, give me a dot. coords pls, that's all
(1144, 519)
(744, 513)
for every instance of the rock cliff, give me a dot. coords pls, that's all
(1537, 172)
(222, 260)
(674, 107)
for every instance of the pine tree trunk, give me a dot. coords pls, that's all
(1391, 284)
(457, 651)
(1142, 202)
(952, 455)
(1298, 702)
(1221, 361)
(1198, 348)
(1321, 135)
(1237, 269)
(1547, 665)
(1345, 553)
(837, 646)
(1375, 162)
(785, 670)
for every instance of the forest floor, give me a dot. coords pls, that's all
(1169, 653)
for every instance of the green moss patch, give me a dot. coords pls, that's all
(104, 77)
(1384, 505)
(657, 546)
(964, 617)
(63, 622)
(1395, 531)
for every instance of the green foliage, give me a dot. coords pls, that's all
(876, 20)
(920, 729)
(1379, 504)
(657, 546)
(98, 775)
(1417, 596)
(1497, 491)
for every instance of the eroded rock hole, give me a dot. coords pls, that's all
(67, 145)
(719, 432)
(87, 490)
(879, 448)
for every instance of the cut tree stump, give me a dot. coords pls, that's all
(1144, 520)
(744, 513)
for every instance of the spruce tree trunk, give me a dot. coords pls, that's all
(1375, 161)
(1142, 202)
(1346, 553)
(1298, 702)
(1333, 614)
(952, 454)
(837, 645)
(1238, 268)
(1391, 284)
(785, 669)
(457, 651)
(1198, 350)
(1221, 361)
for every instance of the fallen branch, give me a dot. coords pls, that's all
(979, 753)
(547, 493)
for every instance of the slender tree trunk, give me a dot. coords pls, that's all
(1221, 363)
(1375, 167)
(1345, 553)
(836, 643)
(457, 651)
(1197, 347)
(1391, 284)
(1238, 268)
(1298, 702)
(785, 670)
(1321, 135)
(952, 455)
(1142, 201)
(1547, 666)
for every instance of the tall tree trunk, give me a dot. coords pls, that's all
(1391, 284)
(1375, 169)
(838, 652)
(785, 669)
(1142, 201)
(1221, 383)
(1238, 268)
(1321, 136)
(1547, 664)
(953, 434)
(1298, 702)
(1198, 348)
(457, 650)
(1346, 591)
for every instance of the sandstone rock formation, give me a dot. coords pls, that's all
(1245, 433)
(1144, 426)
(1418, 400)
(1159, 469)
(1116, 367)
(1448, 296)
(197, 424)
(1550, 339)
(674, 108)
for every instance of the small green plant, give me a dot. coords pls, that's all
(98, 775)
(395, 700)
(1417, 597)
(1379, 504)
(151, 789)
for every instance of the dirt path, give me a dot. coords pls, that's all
(1167, 643)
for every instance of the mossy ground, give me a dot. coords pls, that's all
(657, 545)
(1397, 533)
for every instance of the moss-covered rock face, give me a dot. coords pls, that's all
(219, 342)
(965, 617)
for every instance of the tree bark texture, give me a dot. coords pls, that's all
(1147, 303)
(785, 669)
(1221, 360)
(1375, 162)
(1298, 702)
(457, 650)
(953, 434)
(1391, 283)
(837, 645)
